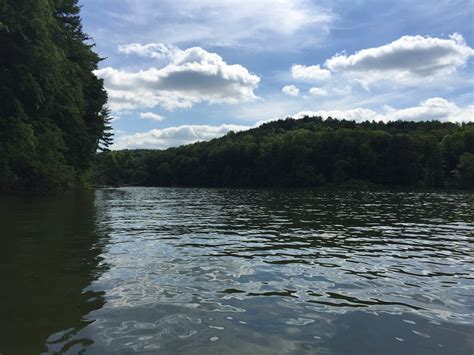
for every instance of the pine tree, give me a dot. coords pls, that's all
(52, 107)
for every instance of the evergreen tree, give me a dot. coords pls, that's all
(52, 114)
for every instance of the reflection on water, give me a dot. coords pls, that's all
(49, 255)
(239, 271)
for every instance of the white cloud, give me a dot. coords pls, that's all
(152, 50)
(174, 136)
(432, 109)
(346, 90)
(410, 59)
(290, 90)
(358, 114)
(317, 92)
(192, 76)
(309, 73)
(151, 116)
(262, 24)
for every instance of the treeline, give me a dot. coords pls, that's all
(52, 113)
(307, 152)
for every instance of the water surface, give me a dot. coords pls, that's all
(204, 271)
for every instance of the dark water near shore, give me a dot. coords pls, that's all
(238, 272)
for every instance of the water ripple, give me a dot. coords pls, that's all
(279, 262)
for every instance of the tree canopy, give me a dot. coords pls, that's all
(52, 109)
(54, 120)
(307, 152)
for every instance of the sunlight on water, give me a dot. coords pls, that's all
(301, 271)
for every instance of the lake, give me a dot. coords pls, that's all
(209, 271)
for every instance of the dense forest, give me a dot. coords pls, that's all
(307, 152)
(53, 117)
(54, 123)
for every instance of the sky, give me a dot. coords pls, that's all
(181, 71)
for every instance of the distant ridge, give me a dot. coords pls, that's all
(307, 152)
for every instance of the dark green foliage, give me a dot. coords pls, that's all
(465, 171)
(308, 152)
(52, 113)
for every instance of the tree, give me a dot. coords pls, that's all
(465, 171)
(311, 152)
(52, 114)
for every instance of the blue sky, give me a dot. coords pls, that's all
(181, 71)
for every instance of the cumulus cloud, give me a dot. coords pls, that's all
(174, 136)
(309, 73)
(318, 91)
(152, 50)
(290, 90)
(408, 59)
(151, 116)
(192, 76)
(429, 110)
(358, 114)
(432, 109)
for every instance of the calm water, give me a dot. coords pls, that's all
(238, 272)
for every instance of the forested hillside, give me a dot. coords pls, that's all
(52, 113)
(305, 153)
(53, 120)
